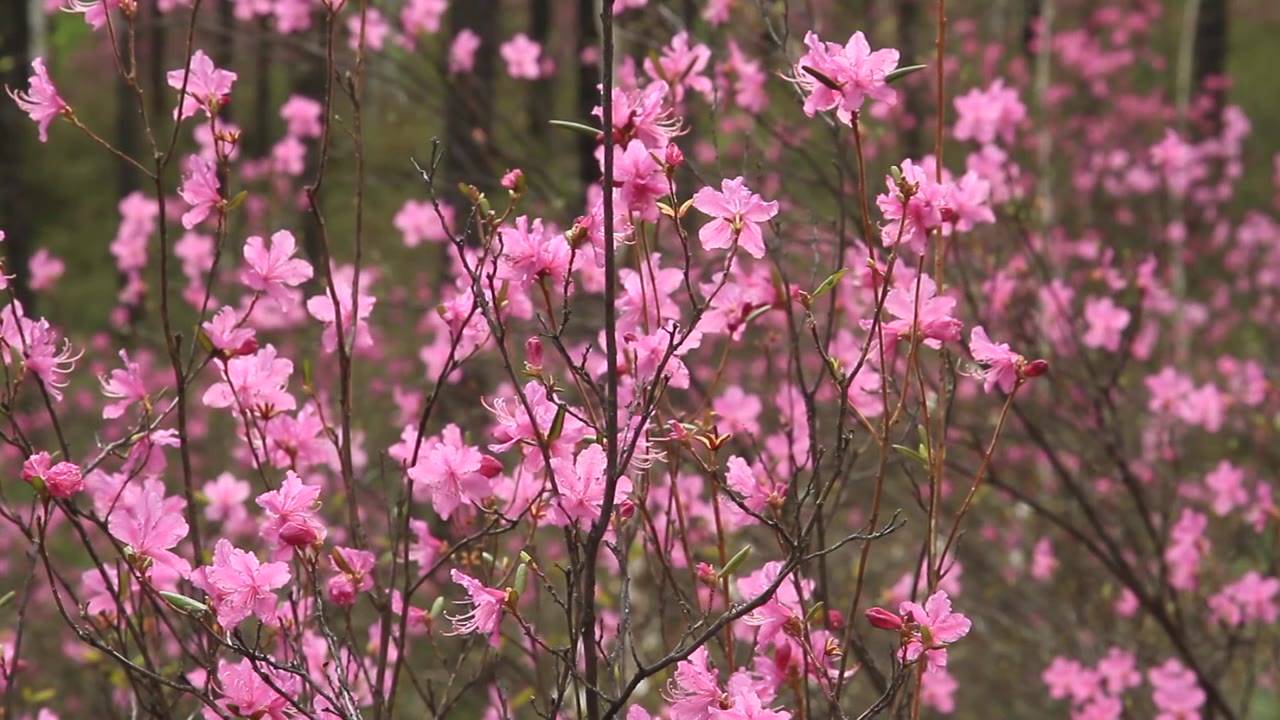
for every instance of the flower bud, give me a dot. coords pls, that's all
(883, 619)
(533, 351)
(673, 157)
(514, 181)
(1035, 368)
(490, 467)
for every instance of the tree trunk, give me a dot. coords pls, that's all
(15, 196)
(1210, 64)
(469, 121)
(908, 19)
(588, 91)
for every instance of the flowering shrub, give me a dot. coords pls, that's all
(681, 443)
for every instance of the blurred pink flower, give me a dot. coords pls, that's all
(41, 100)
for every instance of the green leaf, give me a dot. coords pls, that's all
(202, 337)
(734, 562)
(238, 200)
(829, 283)
(557, 425)
(576, 127)
(903, 72)
(913, 454)
(184, 604)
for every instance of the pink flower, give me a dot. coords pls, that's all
(529, 253)
(354, 575)
(256, 384)
(291, 513)
(123, 385)
(228, 335)
(45, 269)
(151, 528)
(983, 115)
(354, 323)
(938, 689)
(462, 51)
(848, 75)
(486, 612)
(246, 694)
(1119, 671)
(1226, 482)
(883, 619)
(226, 496)
(451, 473)
(61, 480)
(521, 55)
(94, 11)
(207, 87)
(914, 212)
(1001, 362)
(41, 100)
(303, 117)
(269, 270)
(934, 627)
(581, 484)
(1187, 545)
(1176, 692)
(239, 585)
(1068, 678)
(200, 191)
(931, 322)
(682, 66)
(783, 608)
(639, 179)
(417, 221)
(423, 16)
(1252, 598)
(738, 214)
(747, 705)
(695, 689)
(1107, 323)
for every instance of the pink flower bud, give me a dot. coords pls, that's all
(1035, 368)
(626, 509)
(835, 620)
(490, 467)
(533, 351)
(673, 157)
(301, 534)
(341, 592)
(61, 480)
(513, 180)
(883, 619)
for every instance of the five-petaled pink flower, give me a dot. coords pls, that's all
(521, 55)
(41, 100)
(151, 527)
(270, 269)
(239, 585)
(256, 691)
(926, 630)
(486, 612)
(841, 78)
(207, 87)
(932, 320)
(581, 484)
(1001, 363)
(355, 575)
(200, 191)
(738, 214)
(291, 513)
(62, 480)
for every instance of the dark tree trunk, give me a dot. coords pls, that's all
(15, 194)
(908, 19)
(543, 88)
(1029, 29)
(1210, 63)
(588, 91)
(469, 121)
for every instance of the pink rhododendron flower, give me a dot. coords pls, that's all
(256, 384)
(207, 87)
(1252, 598)
(94, 11)
(151, 528)
(1107, 322)
(44, 269)
(846, 76)
(125, 386)
(354, 575)
(984, 115)
(303, 116)
(1176, 692)
(451, 473)
(931, 322)
(738, 214)
(291, 513)
(239, 585)
(682, 66)
(245, 692)
(1002, 364)
(462, 51)
(933, 626)
(521, 55)
(487, 604)
(1226, 482)
(581, 485)
(200, 191)
(62, 479)
(694, 691)
(270, 269)
(41, 100)
(355, 324)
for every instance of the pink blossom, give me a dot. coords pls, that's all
(354, 575)
(227, 334)
(226, 496)
(643, 114)
(914, 212)
(521, 55)
(1107, 322)
(355, 324)
(303, 116)
(1187, 545)
(1176, 692)
(239, 585)
(207, 87)
(935, 627)
(418, 221)
(530, 253)
(639, 179)
(41, 100)
(94, 11)
(451, 473)
(982, 115)
(854, 70)
(376, 29)
(581, 485)
(681, 66)
(44, 269)
(1226, 482)
(200, 191)
(423, 16)
(1068, 678)
(125, 386)
(256, 384)
(62, 480)
(486, 611)
(738, 214)
(1252, 598)
(1001, 363)
(938, 690)
(151, 528)
(291, 513)
(462, 51)
(271, 269)
(931, 321)
(245, 692)
(1118, 671)
(694, 691)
